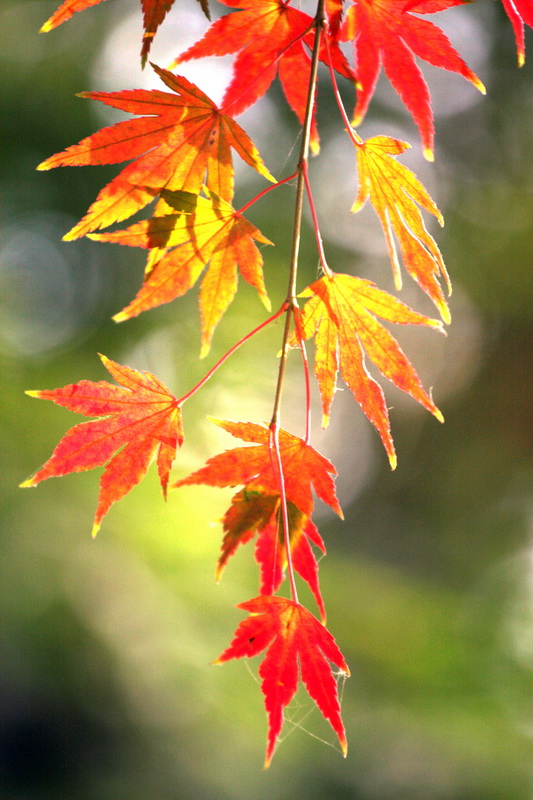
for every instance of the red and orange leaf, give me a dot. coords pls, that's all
(213, 233)
(254, 511)
(139, 416)
(298, 646)
(385, 33)
(303, 467)
(267, 36)
(184, 136)
(341, 314)
(154, 12)
(395, 192)
(519, 11)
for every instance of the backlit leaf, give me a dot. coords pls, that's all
(341, 314)
(519, 11)
(184, 137)
(213, 233)
(140, 416)
(395, 193)
(298, 646)
(270, 37)
(385, 33)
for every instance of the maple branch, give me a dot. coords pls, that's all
(265, 191)
(291, 302)
(208, 375)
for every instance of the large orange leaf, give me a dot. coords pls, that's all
(154, 12)
(302, 466)
(253, 511)
(395, 191)
(341, 313)
(298, 645)
(184, 136)
(385, 33)
(270, 37)
(140, 417)
(519, 11)
(211, 232)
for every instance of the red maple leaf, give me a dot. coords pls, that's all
(269, 37)
(184, 137)
(253, 511)
(385, 33)
(519, 11)
(341, 315)
(302, 466)
(298, 644)
(139, 417)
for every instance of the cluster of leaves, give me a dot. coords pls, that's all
(180, 152)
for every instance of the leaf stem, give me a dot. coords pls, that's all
(268, 189)
(291, 302)
(350, 131)
(316, 227)
(282, 310)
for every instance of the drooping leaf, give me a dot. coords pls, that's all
(298, 646)
(270, 37)
(385, 33)
(184, 137)
(394, 192)
(211, 232)
(254, 511)
(303, 467)
(137, 418)
(154, 12)
(519, 11)
(341, 314)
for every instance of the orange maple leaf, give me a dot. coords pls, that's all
(154, 12)
(297, 644)
(140, 416)
(341, 313)
(253, 511)
(269, 37)
(210, 231)
(394, 192)
(185, 136)
(386, 33)
(302, 465)
(519, 11)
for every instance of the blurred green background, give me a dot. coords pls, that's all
(106, 686)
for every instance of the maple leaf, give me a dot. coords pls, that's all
(269, 37)
(210, 231)
(184, 136)
(386, 33)
(395, 191)
(139, 416)
(341, 315)
(519, 11)
(297, 644)
(254, 511)
(302, 466)
(154, 12)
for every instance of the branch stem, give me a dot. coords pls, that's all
(291, 302)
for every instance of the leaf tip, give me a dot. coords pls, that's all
(30, 483)
(428, 154)
(479, 85)
(33, 393)
(120, 317)
(96, 528)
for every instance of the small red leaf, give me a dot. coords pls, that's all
(298, 644)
